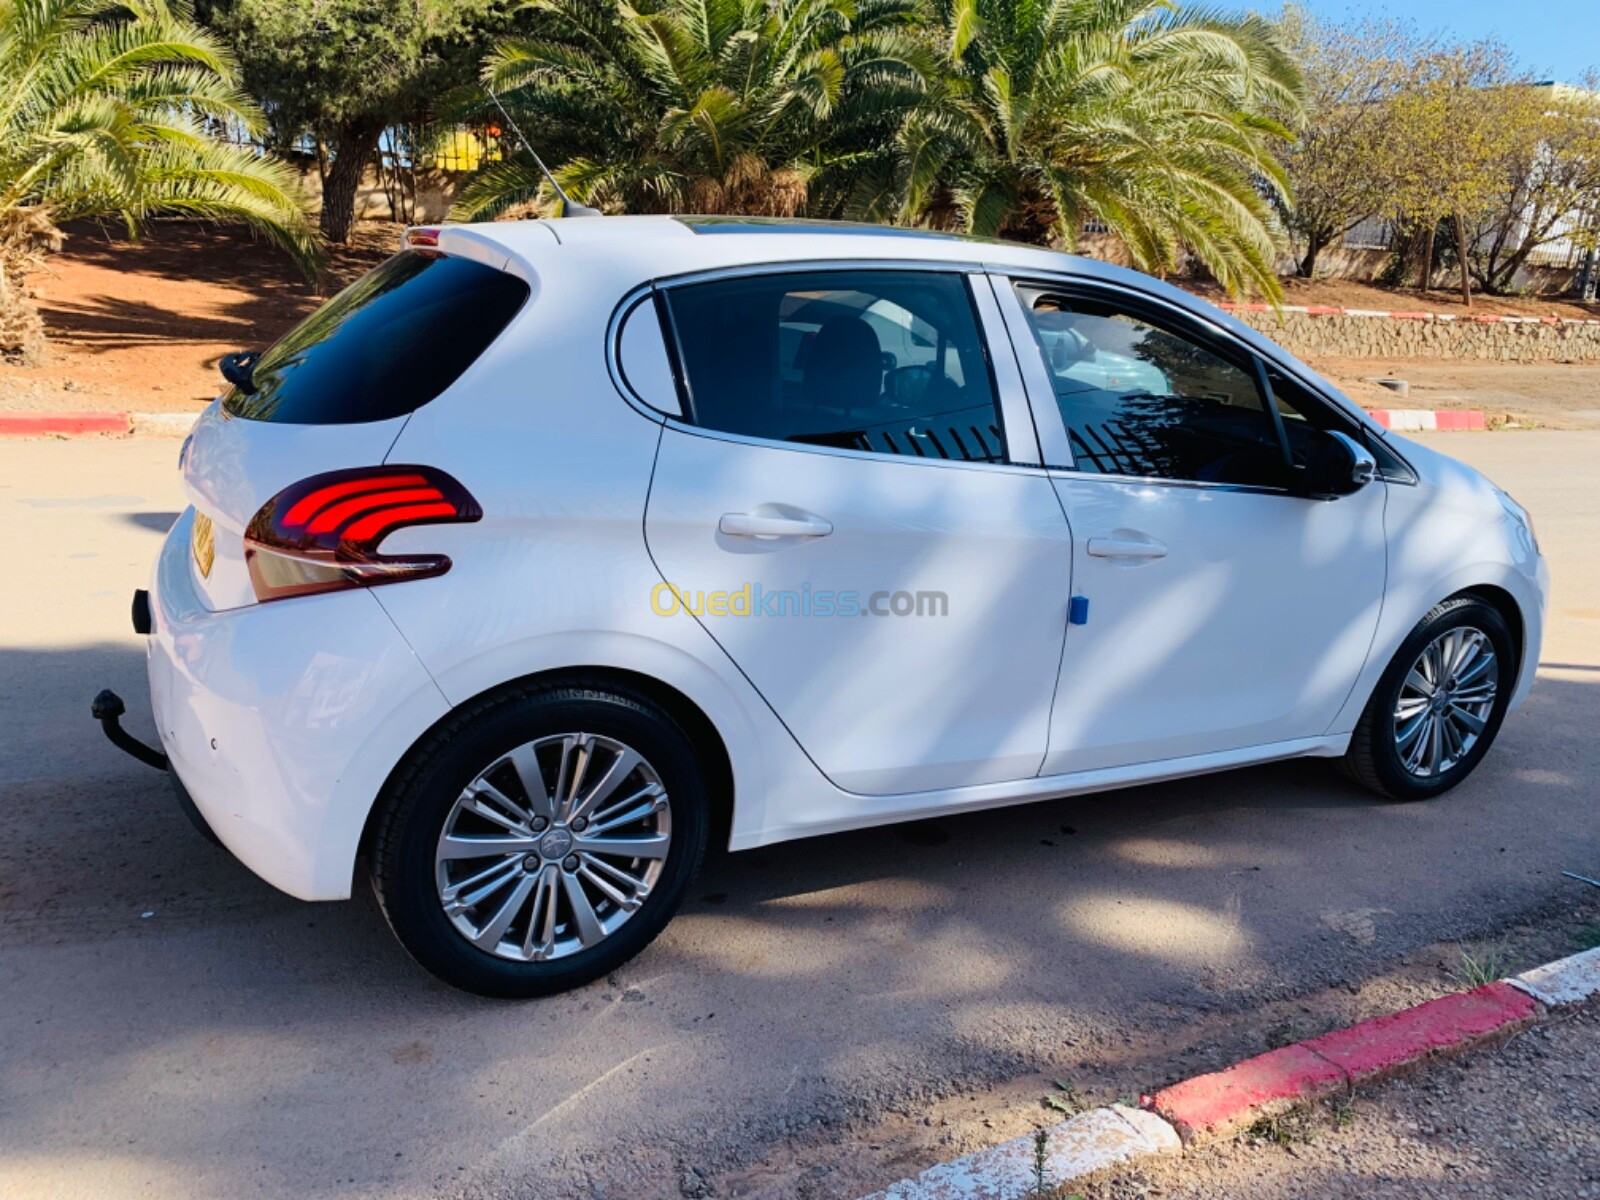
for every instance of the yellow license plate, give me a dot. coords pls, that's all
(203, 544)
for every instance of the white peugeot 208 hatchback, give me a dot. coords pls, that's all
(549, 552)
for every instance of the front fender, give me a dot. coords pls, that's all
(1406, 603)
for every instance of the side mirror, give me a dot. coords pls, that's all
(239, 368)
(1337, 465)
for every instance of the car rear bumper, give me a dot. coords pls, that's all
(283, 720)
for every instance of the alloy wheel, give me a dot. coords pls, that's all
(553, 847)
(1445, 701)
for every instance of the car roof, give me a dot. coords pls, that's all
(764, 239)
(658, 247)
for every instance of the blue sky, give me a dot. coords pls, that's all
(1556, 39)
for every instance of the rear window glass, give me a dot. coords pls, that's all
(385, 346)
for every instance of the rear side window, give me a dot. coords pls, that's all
(882, 362)
(385, 346)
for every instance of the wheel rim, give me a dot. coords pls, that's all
(553, 847)
(1445, 702)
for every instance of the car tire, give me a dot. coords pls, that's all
(1381, 758)
(415, 877)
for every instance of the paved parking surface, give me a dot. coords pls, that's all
(170, 1026)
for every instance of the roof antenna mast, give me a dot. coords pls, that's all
(569, 206)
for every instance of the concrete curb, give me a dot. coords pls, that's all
(178, 424)
(163, 424)
(1565, 981)
(1414, 420)
(63, 424)
(91, 424)
(1090, 1141)
(1225, 1102)
(1317, 310)
(1269, 1085)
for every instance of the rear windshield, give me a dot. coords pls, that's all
(385, 346)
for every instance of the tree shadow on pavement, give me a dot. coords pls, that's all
(295, 1048)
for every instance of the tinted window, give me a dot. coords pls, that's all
(889, 362)
(386, 345)
(1140, 399)
(1304, 413)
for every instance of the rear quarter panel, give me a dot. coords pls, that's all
(557, 575)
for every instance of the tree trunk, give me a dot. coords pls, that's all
(21, 327)
(353, 148)
(1461, 252)
(1427, 257)
(1315, 244)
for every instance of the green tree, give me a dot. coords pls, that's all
(710, 106)
(1548, 183)
(103, 113)
(1156, 120)
(1341, 165)
(346, 70)
(1455, 123)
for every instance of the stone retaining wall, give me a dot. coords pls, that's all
(1350, 333)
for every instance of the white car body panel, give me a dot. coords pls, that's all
(313, 701)
(1208, 647)
(283, 720)
(882, 703)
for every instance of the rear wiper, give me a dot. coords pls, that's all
(239, 370)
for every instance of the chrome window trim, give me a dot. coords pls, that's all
(1159, 481)
(717, 435)
(972, 270)
(619, 379)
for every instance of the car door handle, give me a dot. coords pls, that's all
(763, 526)
(1119, 547)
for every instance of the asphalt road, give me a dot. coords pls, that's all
(170, 1026)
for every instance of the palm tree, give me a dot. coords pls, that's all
(105, 111)
(708, 106)
(1155, 120)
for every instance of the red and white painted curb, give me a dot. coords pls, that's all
(178, 424)
(85, 424)
(1320, 310)
(1415, 420)
(1268, 1085)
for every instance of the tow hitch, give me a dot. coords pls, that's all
(107, 708)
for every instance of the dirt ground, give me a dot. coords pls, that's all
(1518, 1122)
(140, 326)
(1348, 293)
(1525, 395)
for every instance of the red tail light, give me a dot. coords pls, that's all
(322, 534)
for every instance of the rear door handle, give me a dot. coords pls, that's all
(1116, 547)
(763, 526)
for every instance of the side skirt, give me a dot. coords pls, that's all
(840, 811)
